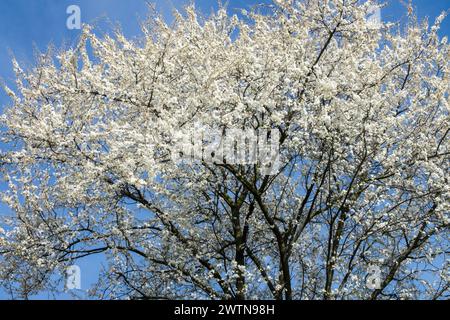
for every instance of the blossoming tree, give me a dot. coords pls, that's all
(362, 115)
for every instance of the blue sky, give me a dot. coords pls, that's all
(29, 24)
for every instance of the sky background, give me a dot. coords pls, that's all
(27, 25)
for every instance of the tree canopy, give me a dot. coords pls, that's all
(361, 112)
